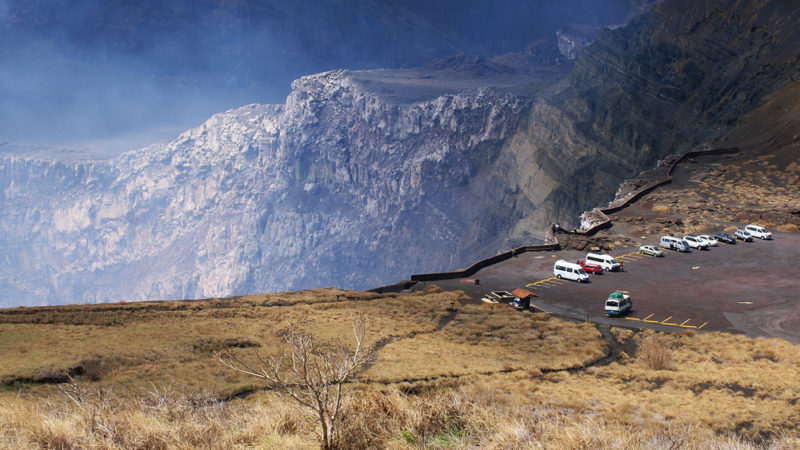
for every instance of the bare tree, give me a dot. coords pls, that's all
(75, 392)
(313, 375)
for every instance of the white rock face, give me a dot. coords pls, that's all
(336, 187)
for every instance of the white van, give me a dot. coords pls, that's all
(618, 304)
(674, 243)
(758, 232)
(607, 262)
(569, 271)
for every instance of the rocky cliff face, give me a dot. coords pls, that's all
(336, 187)
(673, 80)
(572, 39)
(362, 178)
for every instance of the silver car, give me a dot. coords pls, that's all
(651, 250)
(743, 235)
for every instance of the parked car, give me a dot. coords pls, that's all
(743, 235)
(651, 250)
(607, 262)
(709, 240)
(758, 232)
(591, 268)
(725, 237)
(618, 304)
(696, 242)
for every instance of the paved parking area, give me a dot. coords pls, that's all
(751, 288)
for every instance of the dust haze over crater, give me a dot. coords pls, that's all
(108, 76)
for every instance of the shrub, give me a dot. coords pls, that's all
(92, 369)
(787, 228)
(661, 209)
(655, 352)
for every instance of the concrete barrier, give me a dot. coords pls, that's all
(397, 287)
(650, 187)
(484, 263)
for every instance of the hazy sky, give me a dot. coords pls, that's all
(118, 74)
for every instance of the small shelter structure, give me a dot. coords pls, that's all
(522, 298)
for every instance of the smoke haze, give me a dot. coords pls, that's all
(113, 75)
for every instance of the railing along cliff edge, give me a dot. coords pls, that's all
(603, 212)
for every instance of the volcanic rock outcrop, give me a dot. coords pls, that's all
(334, 187)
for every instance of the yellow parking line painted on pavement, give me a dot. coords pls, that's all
(664, 322)
(547, 279)
(547, 282)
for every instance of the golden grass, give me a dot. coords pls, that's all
(424, 335)
(449, 375)
(721, 382)
(141, 342)
(788, 228)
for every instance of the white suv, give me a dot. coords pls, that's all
(709, 240)
(696, 242)
(607, 262)
(758, 232)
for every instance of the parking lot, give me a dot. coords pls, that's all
(751, 288)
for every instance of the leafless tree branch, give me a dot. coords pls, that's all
(311, 375)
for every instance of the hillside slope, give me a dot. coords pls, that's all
(673, 80)
(468, 375)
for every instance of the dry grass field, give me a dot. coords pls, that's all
(449, 375)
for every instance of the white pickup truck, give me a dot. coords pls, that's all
(618, 304)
